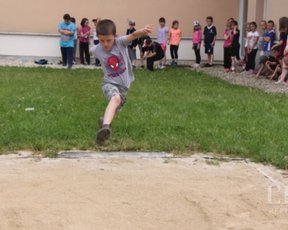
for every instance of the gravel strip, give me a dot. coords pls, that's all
(243, 79)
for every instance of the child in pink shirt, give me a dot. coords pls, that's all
(84, 34)
(197, 39)
(175, 36)
(228, 39)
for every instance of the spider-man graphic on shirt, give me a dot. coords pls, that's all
(115, 66)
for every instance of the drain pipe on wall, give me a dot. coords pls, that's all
(243, 9)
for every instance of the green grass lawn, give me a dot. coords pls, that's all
(174, 110)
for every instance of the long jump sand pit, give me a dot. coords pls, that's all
(124, 192)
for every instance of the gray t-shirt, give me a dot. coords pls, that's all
(116, 64)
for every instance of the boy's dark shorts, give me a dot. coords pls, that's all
(209, 49)
(111, 90)
(235, 51)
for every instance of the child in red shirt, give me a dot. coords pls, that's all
(84, 34)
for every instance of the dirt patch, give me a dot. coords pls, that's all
(134, 193)
(246, 80)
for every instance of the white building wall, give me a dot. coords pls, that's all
(46, 45)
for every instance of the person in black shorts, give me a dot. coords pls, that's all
(132, 46)
(210, 34)
(235, 49)
(152, 52)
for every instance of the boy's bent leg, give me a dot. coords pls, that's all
(111, 109)
(114, 104)
(116, 96)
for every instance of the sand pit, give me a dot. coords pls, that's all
(140, 193)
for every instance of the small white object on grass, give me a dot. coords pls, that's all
(29, 109)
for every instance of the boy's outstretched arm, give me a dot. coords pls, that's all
(139, 33)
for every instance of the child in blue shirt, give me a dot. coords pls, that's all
(67, 30)
(269, 38)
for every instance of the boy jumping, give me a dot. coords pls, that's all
(117, 68)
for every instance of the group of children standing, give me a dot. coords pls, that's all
(262, 41)
(71, 35)
(150, 50)
(273, 55)
(172, 37)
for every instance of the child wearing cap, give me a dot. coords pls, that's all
(197, 38)
(152, 52)
(118, 72)
(142, 49)
(132, 46)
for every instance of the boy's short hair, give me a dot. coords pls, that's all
(271, 22)
(210, 18)
(67, 17)
(106, 27)
(253, 24)
(162, 20)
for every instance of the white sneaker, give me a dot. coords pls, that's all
(162, 67)
(279, 82)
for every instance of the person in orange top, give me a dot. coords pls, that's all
(175, 36)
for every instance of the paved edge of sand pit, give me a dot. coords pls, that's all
(91, 154)
(78, 154)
